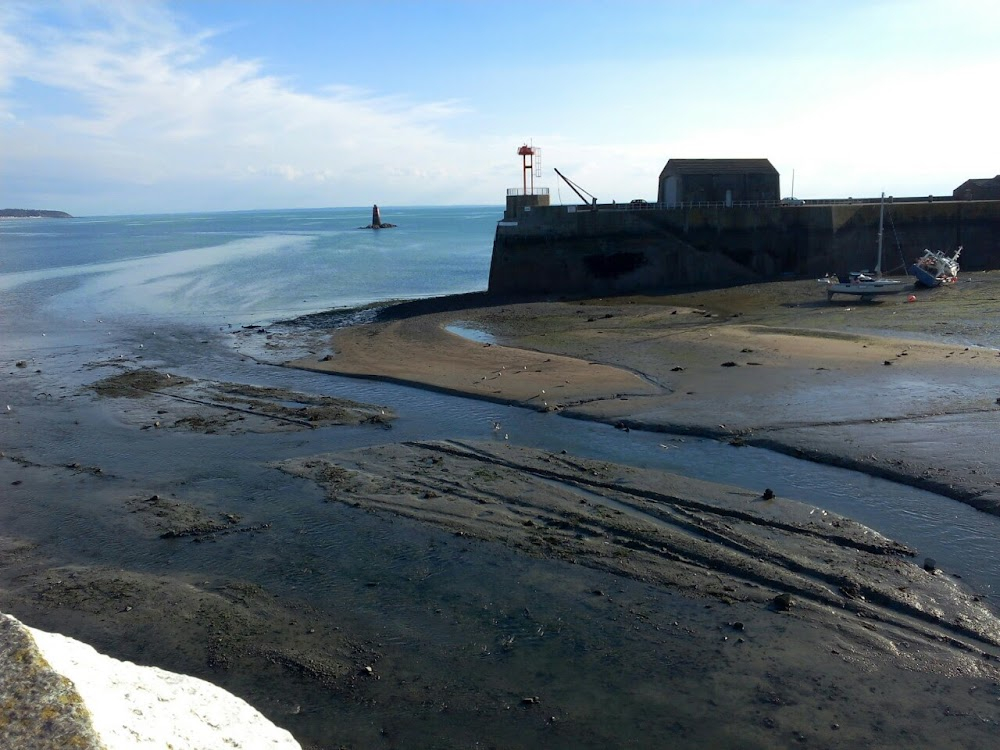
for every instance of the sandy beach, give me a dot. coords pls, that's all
(873, 386)
(455, 592)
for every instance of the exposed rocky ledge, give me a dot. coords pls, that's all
(57, 693)
(32, 213)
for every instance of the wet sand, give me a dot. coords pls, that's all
(555, 601)
(891, 388)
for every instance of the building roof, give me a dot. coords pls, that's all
(718, 166)
(980, 182)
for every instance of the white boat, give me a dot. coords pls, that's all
(866, 284)
(934, 268)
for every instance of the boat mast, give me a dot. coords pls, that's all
(881, 217)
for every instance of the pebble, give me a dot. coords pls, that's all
(783, 602)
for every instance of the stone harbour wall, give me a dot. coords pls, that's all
(620, 249)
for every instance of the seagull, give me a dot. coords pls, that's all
(496, 425)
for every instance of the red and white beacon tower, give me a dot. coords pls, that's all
(520, 200)
(531, 158)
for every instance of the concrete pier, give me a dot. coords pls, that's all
(619, 249)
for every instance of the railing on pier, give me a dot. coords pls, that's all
(652, 206)
(529, 191)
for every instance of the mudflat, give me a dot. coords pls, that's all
(889, 387)
(485, 593)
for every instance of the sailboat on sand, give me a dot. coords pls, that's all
(866, 284)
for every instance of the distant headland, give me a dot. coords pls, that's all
(32, 213)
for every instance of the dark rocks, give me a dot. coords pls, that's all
(783, 602)
(930, 565)
(768, 494)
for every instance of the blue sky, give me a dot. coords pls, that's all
(137, 106)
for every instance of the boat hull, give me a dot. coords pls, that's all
(924, 277)
(866, 290)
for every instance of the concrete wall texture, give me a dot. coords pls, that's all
(610, 249)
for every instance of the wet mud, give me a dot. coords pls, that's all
(664, 530)
(158, 400)
(462, 594)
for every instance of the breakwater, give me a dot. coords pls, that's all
(607, 249)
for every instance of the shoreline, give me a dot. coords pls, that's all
(605, 360)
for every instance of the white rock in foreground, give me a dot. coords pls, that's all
(145, 707)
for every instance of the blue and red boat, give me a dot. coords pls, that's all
(934, 268)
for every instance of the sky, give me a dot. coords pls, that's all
(120, 107)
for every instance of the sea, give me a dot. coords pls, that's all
(239, 267)
(167, 291)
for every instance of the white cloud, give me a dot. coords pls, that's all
(149, 113)
(156, 109)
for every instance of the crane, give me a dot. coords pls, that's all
(577, 189)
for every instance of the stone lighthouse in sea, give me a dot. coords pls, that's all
(377, 220)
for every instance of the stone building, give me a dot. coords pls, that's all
(982, 189)
(725, 181)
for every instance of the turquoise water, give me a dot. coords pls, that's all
(238, 267)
